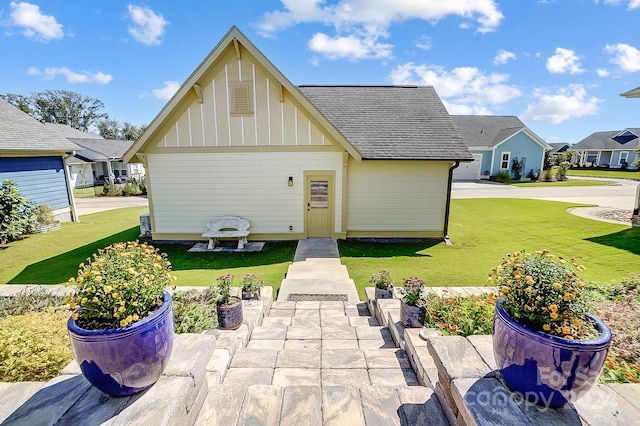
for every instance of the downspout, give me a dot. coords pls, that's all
(74, 210)
(448, 205)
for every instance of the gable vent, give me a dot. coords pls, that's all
(241, 99)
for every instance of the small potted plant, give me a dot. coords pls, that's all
(413, 306)
(45, 221)
(547, 346)
(251, 286)
(121, 328)
(229, 307)
(383, 284)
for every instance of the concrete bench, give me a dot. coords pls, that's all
(227, 227)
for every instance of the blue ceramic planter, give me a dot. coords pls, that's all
(547, 370)
(127, 360)
(230, 317)
(412, 316)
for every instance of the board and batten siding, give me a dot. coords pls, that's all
(189, 189)
(40, 179)
(395, 197)
(276, 118)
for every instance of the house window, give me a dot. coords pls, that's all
(505, 160)
(119, 169)
(592, 157)
(241, 98)
(623, 157)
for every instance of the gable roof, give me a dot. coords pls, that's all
(232, 37)
(489, 131)
(391, 122)
(559, 147)
(605, 140)
(22, 133)
(372, 122)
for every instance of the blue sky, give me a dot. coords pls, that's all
(559, 65)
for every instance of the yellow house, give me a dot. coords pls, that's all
(239, 139)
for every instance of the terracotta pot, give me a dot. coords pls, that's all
(230, 314)
(126, 360)
(412, 316)
(547, 370)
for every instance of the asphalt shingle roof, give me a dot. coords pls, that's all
(604, 140)
(487, 130)
(21, 132)
(391, 122)
(111, 148)
(70, 132)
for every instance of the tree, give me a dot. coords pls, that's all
(16, 217)
(66, 107)
(131, 132)
(23, 103)
(109, 128)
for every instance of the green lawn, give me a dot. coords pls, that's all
(571, 182)
(612, 174)
(483, 230)
(84, 192)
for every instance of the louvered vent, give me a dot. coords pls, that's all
(241, 102)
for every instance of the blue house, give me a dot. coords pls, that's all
(616, 148)
(499, 144)
(34, 157)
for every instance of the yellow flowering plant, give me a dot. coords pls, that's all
(544, 293)
(119, 285)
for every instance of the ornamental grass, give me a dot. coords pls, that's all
(119, 285)
(544, 293)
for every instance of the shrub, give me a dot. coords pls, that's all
(120, 284)
(34, 346)
(16, 217)
(29, 300)
(44, 214)
(461, 316)
(195, 311)
(503, 177)
(548, 175)
(561, 173)
(544, 293)
(382, 280)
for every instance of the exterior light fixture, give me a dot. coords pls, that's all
(290, 181)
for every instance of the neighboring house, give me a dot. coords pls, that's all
(497, 142)
(101, 159)
(558, 149)
(240, 139)
(35, 158)
(617, 148)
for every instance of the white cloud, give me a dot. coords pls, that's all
(565, 60)
(147, 26)
(71, 76)
(462, 88)
(603, 72)
(167, 91)
(369, 20)
(568, 102)
(349, 47)
(634, 4)
(503, 57)
(36, 24)
(424, 43)
(625, 56)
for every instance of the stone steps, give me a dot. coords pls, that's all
(320, 363)
(232, 404)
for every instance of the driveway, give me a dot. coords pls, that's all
(101, 204)
(621, 195)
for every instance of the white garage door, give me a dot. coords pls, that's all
(469, 171)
